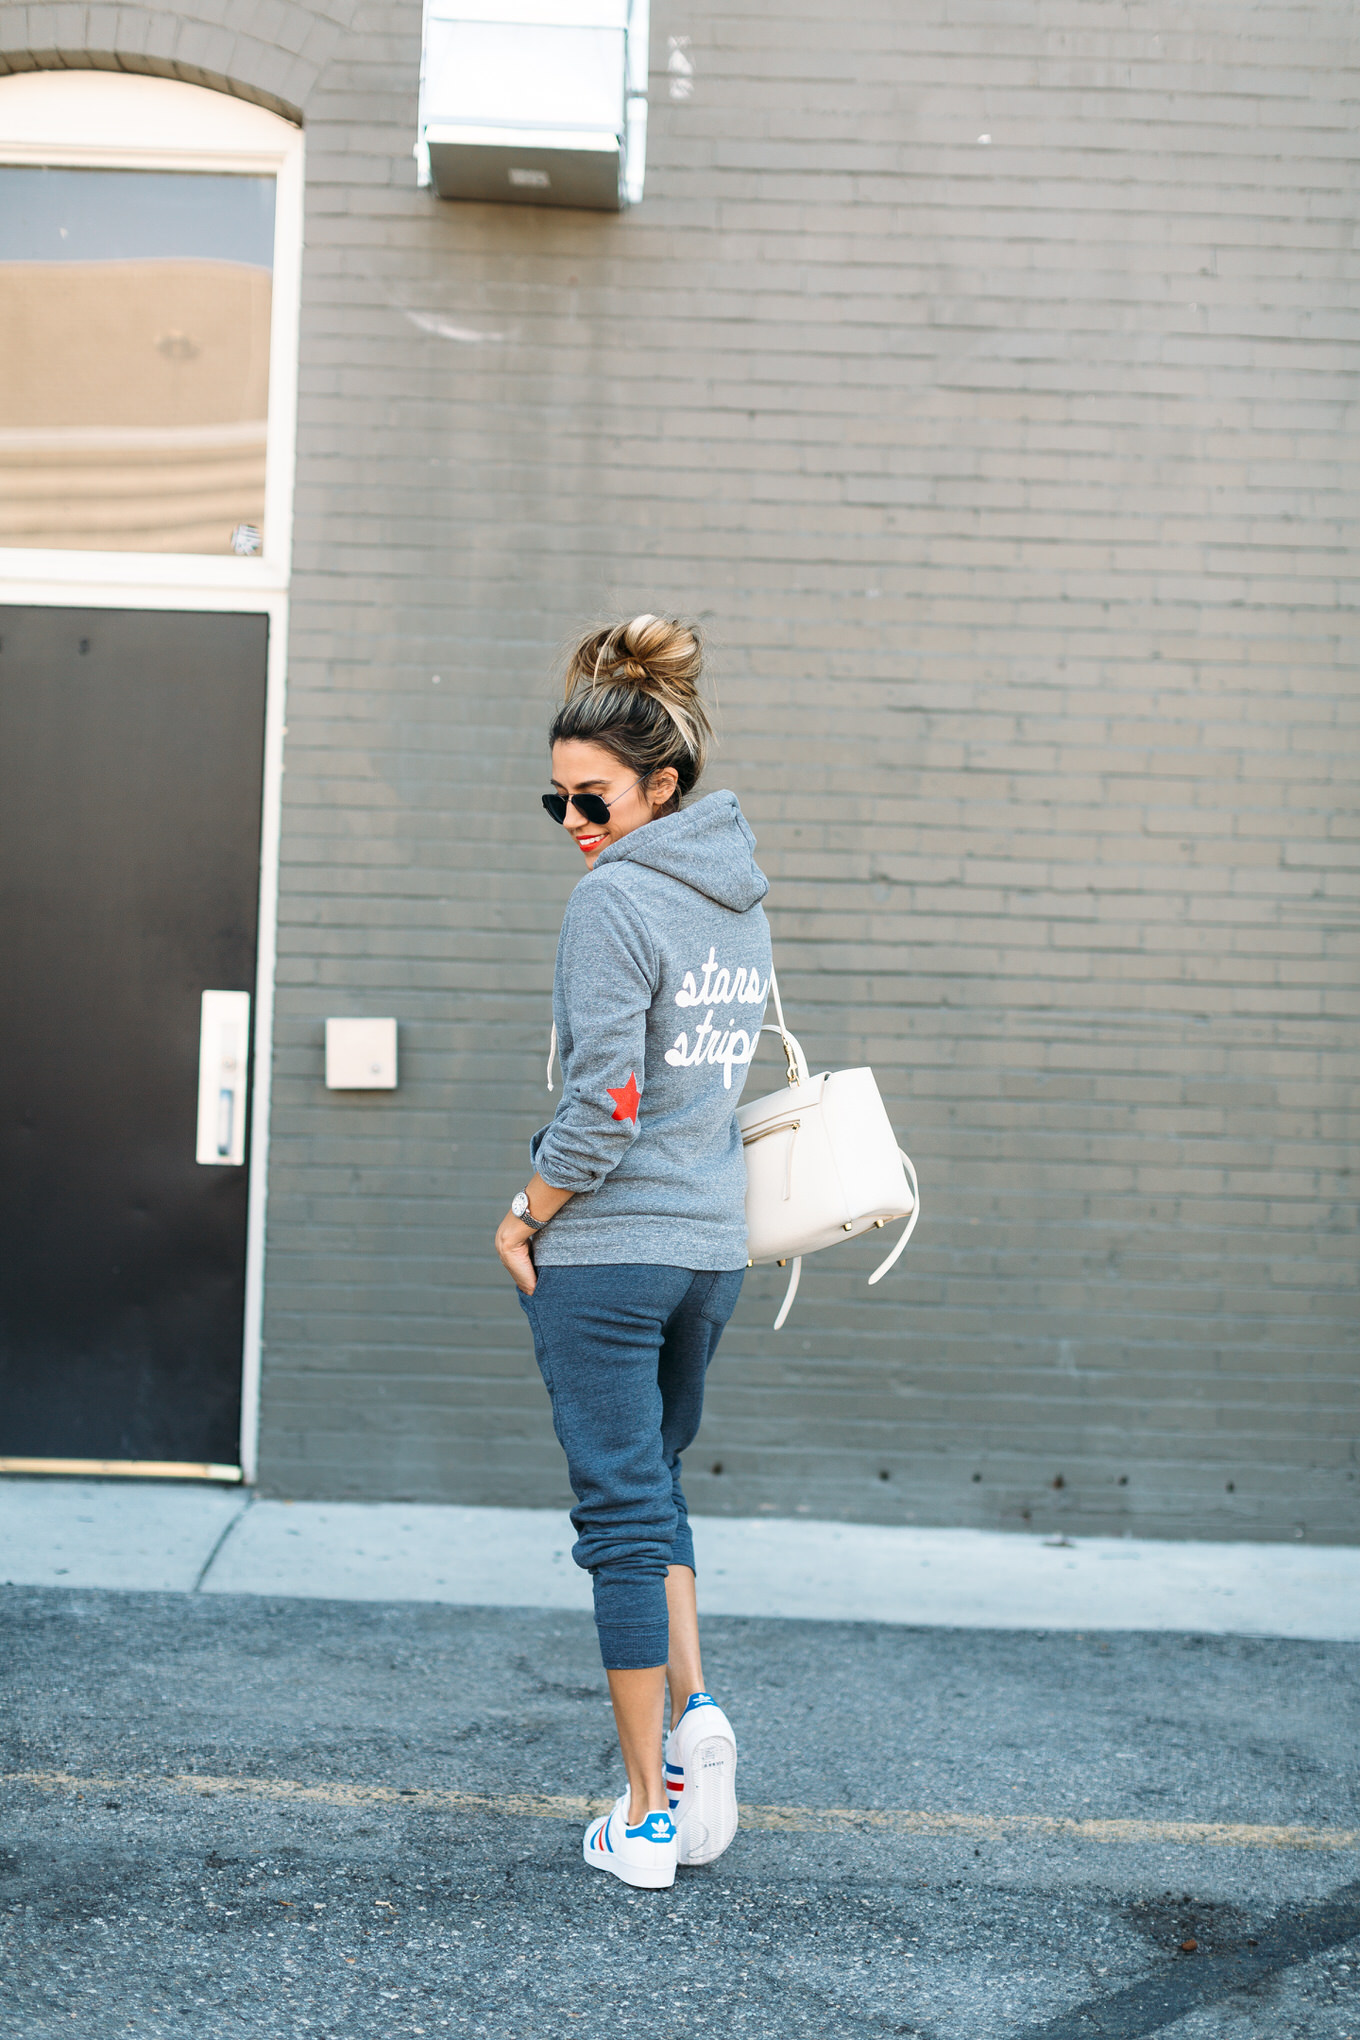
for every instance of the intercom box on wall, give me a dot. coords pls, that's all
(361, 1055)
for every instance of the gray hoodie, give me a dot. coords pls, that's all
(663, 968)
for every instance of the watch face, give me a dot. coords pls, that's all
(519, 1204)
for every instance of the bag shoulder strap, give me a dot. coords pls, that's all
(774, 994)
(910, 1226)
(793, 1050)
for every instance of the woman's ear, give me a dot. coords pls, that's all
(661, 786)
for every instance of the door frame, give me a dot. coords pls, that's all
(99, 595)
(85, 118)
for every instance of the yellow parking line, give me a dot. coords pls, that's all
(803, 1820)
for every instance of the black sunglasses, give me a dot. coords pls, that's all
(588, 805)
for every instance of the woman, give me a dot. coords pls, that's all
(628, 1244)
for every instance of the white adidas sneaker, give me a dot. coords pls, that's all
(644, 1855)
(701, 1780)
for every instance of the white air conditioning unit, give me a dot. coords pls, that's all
(535, 102)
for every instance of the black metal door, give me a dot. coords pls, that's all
(131, 763)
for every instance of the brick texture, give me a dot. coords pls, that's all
(268, 51)
(983, 374)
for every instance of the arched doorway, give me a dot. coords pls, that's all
(150, 237)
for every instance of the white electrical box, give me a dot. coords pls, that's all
(535, 102)
(361, 1055)
(223, 1063)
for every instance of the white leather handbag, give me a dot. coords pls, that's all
(822, 1164)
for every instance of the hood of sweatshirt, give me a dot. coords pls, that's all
(708, 846)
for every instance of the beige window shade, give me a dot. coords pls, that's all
(135, 398)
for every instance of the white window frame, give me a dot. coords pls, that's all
(84, 119)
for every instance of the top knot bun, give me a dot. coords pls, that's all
(656, 649)
(634, 688)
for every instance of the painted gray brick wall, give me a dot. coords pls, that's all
(983, 375)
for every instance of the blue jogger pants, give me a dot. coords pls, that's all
(623, 1351)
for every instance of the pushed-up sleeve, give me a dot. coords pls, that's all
(606, 979)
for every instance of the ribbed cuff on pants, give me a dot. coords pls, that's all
(682, 1544)
(630, 1616)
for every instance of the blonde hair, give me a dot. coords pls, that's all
(633, 688)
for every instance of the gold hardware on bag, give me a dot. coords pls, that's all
(848, 1226)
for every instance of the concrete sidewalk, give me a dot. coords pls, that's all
(153, 1536)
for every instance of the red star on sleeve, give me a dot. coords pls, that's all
(626, 1099)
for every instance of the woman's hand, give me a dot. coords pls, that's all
(514, 1238)
(512, 1244)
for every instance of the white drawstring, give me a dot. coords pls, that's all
(552, 1052)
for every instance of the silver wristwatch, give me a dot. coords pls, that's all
(519, 1208)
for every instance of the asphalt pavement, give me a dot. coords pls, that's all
(248, 1815)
